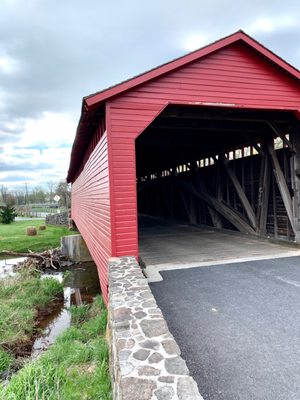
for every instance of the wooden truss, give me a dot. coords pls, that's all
(253, 217)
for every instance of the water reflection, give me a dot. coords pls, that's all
(81, 285)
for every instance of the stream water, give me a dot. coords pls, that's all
(81, 285)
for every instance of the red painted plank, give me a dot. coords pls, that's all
(91, 209)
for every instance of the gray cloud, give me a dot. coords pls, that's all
(64, 50)
(16, 179)
(8, 167)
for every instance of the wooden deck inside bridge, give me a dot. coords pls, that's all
(166, 245)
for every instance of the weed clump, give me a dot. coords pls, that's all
(6, 361)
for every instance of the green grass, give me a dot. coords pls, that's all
(20, 297)
(13, 237)
(74, 368)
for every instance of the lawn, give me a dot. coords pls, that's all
(13, 236)
(74, 368)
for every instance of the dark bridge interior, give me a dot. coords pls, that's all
(222, 167)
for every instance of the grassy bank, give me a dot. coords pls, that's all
(21, 298)
(13, 236)
(74, 368)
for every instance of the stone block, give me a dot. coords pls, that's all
(155, 358)
(137, 388)
(176, 366)
(187, 389)
(150, 344)
(171, 347)
(148, 371)
(141, 354)
(164, 393)
(154, 327)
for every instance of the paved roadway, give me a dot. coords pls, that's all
(238, 326)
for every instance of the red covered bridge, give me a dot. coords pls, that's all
(195, 139)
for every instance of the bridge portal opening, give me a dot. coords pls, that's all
(220, 168)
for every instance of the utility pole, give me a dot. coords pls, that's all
(26, 199)
(26, 193)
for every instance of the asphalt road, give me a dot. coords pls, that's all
(238, 327)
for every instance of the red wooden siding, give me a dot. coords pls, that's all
(91, 208)
(235, 76)
(125, 123)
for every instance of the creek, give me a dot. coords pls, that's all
(81, 285)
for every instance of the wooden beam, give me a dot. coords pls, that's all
(166, 198)
(185, 203)
(215, 217)
(224, 115)
(253, 143)
(295, 178)
(144, 185)
(240, 192)
(274, 209)
(219, 194)
(281, 135)
(232, 216)
(282, 185)
(263, 195)
(192, 215)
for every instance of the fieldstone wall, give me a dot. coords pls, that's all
(145, 359)
(61, 219)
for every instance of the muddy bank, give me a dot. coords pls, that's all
(80, 285)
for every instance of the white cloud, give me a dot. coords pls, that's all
(34, 166)
(270, 24)
(51, 129)
(60, 157)
(195, 41)
(8, 64)
(41, 153)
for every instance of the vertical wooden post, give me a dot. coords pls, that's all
(263, 194)
(192, 208)
(274, 208)
(217, 219)
(282, 185)
(286, 176)
(252, 184)
(172, 199)
(239, 190)
(295, 179)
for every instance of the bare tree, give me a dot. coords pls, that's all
(50, 185)
(63, 190)
(4, 192)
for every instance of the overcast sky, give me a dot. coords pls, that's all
(54, 52)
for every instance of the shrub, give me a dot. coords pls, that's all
(7, 214)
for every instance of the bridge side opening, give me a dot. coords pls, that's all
(223, 168)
